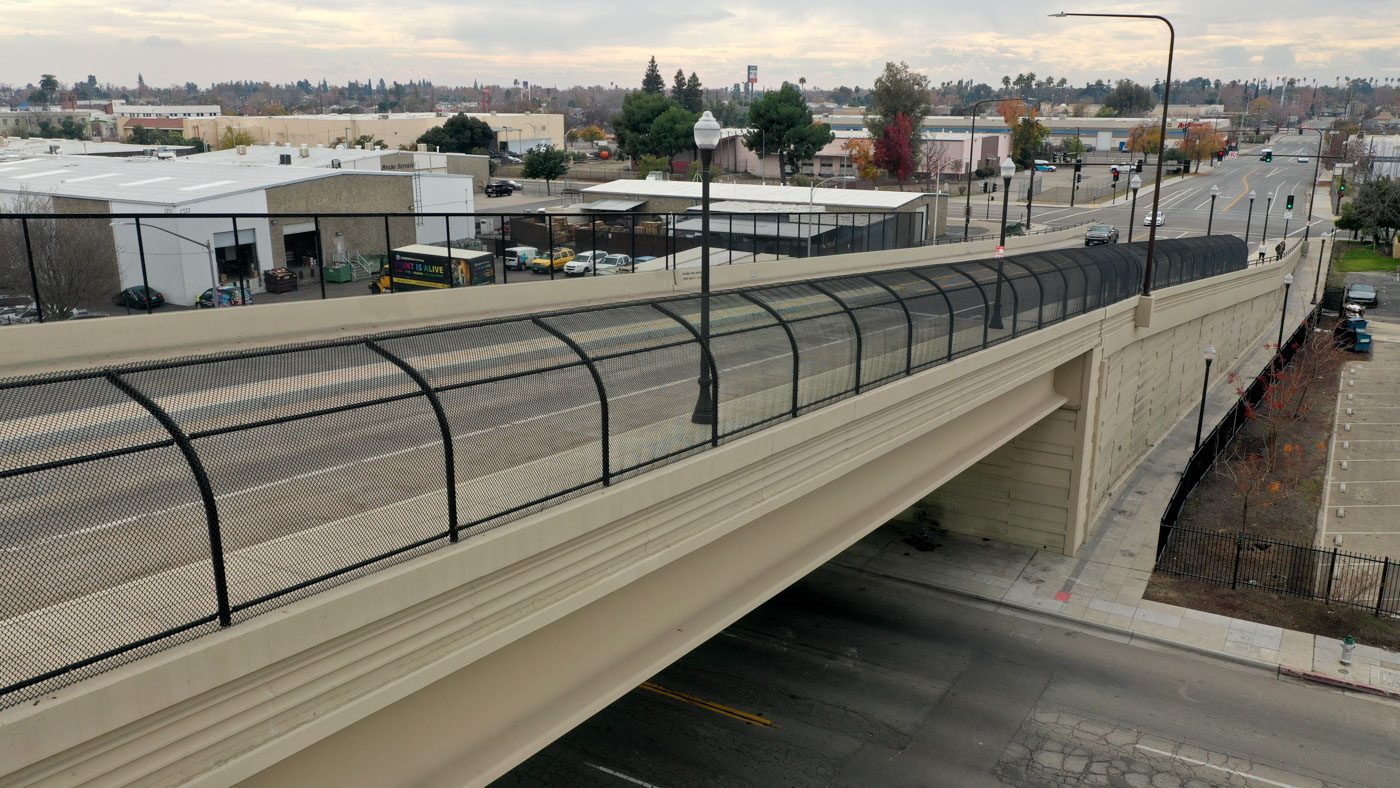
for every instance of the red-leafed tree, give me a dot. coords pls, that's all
(892, 151)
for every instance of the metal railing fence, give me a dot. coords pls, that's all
(59, 266)
(147, 504)
(1237, 559)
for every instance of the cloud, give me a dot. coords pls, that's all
(564, 42)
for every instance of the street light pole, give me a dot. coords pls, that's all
(1205, 386)
(971, 152)
(1210, 222)
(1134, 184)
(1317, 278)
(1161, 153)
(1268, 204)
(1030, 195)
(1008, 169)
(706, 139)
(1250, 220)
(1312, 188)
(1283, 317)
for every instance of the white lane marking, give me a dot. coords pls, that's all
(620, 775)
(1194, 762)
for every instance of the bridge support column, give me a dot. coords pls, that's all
(1033, 490)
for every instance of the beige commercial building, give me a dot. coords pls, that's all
(515, 131)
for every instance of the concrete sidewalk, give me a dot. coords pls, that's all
(1103, 585)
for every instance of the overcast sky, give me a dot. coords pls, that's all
(547, 42)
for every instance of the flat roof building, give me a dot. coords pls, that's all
(515, 131)
(182, 253)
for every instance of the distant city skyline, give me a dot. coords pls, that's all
(559, 44)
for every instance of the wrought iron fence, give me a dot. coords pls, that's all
(1237, 560)
(150, 503)
(61, 266)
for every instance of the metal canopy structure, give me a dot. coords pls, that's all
(193, 493)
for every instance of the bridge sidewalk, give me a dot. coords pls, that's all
(1103, 585)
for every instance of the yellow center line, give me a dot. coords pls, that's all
(752, 719)
(1243, 191)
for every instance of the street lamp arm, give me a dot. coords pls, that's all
(168, 232)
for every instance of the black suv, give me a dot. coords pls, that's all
(499, 190)
(1100, 234)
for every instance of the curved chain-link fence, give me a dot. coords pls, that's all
(150, 503)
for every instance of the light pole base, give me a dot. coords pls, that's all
(704, 412)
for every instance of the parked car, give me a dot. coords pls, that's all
(498, 189)
(1042, 165)
(138, 297)
(1303, 159)
(229, 295)
(1100, 234)
(583, 262)
(14, 315)
(1362, 295)
(518, 257)
(516, 185)
(1147, 221)
(615, 264)
(561, 258)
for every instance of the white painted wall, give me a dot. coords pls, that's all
(444, 194)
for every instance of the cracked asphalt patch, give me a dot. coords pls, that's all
(1055, 747)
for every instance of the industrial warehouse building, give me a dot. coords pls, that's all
(181, 253)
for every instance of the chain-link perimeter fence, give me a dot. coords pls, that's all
(150, 503)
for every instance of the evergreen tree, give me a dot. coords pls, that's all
(652, 81)
(693, 98)
(678, 87)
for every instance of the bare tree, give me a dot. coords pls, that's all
(74, 260)
(937, 158)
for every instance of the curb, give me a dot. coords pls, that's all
(1270, 667)
(1333, 681)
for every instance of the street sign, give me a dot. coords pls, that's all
(1287, 214)
(1234, 155)
(1001, 251)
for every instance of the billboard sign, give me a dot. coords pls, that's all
(753, 74)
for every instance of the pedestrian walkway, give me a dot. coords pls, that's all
(1103, 585)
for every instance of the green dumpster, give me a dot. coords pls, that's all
(339, 272)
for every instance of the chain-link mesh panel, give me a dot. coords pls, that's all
(971, 307)
(104, 550)
(523, 412)
(929, 316)
(884, 329)
(754, 356)
(325, 461)
(650, 366)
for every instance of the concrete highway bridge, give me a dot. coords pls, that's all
(416, 556)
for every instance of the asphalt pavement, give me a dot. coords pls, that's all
(1186, 205)
(854, 678)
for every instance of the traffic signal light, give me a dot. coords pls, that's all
(1289, 204)
(1139, 165)
(994, 185)
(984, 186)
(1268, 157)
(1115, 176)
(1341, 185)
(1078, 177)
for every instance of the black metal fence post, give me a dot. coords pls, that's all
(908, 324)
(855, 325)
(501, 222)
(549, 227)
(708, 359)
(604, 439)
(632, 239)
(33, 274)
(1380, 592)
(141, 254)
(201, 478)
(320, 256)
(388, 254)
(243, 288)
(1331, 572)
(1239, 548)
(792, 342)
(449, 453)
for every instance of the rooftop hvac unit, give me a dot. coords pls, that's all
(422, 147)
(384, 116)
(305, 152)
(284, 158)
(55, 148)
(242, 150)
(335, 164)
